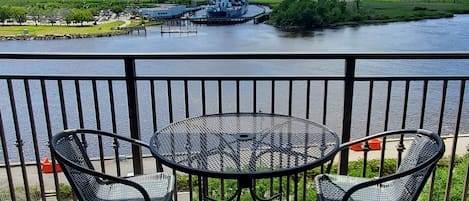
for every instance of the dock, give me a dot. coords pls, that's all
(205, 20)
(178, 30)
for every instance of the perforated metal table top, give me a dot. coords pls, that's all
(253, 145)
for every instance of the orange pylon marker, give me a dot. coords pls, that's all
(46, 166)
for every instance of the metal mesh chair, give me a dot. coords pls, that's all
(406, 184)
(91, 185)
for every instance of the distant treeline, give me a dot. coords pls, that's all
(88, 4)
(71, 11)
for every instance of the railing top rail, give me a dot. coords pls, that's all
(237, 55)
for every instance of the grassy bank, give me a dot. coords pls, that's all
(62, 30)
(291, 14)
(390, 11)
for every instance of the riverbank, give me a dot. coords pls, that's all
(360, 12)
(57, 32)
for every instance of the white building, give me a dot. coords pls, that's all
(164, 11)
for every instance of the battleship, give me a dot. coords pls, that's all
(227, 8)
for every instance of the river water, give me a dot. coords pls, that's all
(448, 34)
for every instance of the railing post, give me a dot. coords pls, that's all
(347, 121)
(132, 101)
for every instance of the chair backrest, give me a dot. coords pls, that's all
(68, 148)
(423, 149)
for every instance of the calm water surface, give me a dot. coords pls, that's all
(449, 34)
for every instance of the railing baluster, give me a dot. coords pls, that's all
(115, 142)
(32, 124)
(63, 108)
(455, 140)
(49, 136)
(308, 99)
(254, 96)
(154, 104)
(97, 114)
(366, 147)
(440, 126)
(220, 97)
(204, 103)
(347, 116)
(19, 142)
(272, 101)
(290, 94)
(386, 125)
(400, 147)
(171, 120)
(237, 97)
(6, 159)
(80, 112)
(324, 109)
(134, 122)
(424, 102)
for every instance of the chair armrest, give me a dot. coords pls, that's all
(430, 162)
(108, 178)
(108, 134)
(377, 135)
(113, 135)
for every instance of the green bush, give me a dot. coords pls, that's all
(66, 191)
(308, 14)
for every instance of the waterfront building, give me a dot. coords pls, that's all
(164, 11)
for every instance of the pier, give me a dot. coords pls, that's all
(178, 26)
(170, 30)
(205, 20)
(131, 30)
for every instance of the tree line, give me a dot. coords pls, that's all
(309, 14)
(52, 16)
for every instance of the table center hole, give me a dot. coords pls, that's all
(244, 136)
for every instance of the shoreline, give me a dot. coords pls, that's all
(366, 22)
(122, 31)
(129, 30)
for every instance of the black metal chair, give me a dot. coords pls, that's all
(406, 184)
(89, 184)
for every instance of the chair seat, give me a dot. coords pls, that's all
(333, 188)
(159, 186)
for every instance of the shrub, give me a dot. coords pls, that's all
(65, 191)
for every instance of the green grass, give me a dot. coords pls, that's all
(355, 169)
(399, 11)
(48, 29)
(271, 3)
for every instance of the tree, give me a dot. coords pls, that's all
(54, 15)
(308, 13)
(4, 13)
(36, 13)
(19, 14)
(117, 9)
(79, 16)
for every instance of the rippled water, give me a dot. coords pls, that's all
(448, 34)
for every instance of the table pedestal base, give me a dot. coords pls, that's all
(246, 183)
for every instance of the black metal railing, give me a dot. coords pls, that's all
(34, 106)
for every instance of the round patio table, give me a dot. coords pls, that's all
(244, 146)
